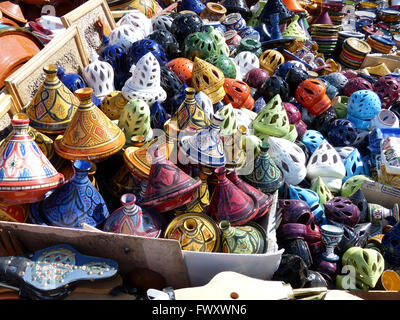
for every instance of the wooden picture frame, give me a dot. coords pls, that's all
(84, 17)
(65, 50)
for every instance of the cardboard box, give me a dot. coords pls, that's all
(203, 266)
(180, 268)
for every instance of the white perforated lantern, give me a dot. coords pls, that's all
(245, 117)
(246, 61)
(145, 81)
(138, 20)
(99, 75)
(125, 35)
(205, 103)
(290, 158)
(326, 163)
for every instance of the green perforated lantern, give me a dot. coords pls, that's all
(199, 44)
(135, 120)
(272, 120)
(322, 190)
(225, 64)
(228, 126)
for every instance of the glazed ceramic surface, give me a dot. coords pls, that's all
(26, 175)
(247, 239)
(168, 186)
(53, 106)
(133, 220)
(73, 203)
(90, 135)
(195, 232)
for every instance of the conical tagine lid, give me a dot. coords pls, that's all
(230, 203)
(190, 114)
(168, 186)
(53, 105)
(205, 148)
(26, 175)
(72, 204)
(91, 135)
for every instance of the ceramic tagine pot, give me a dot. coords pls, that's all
(53, 106)
(266, 176)
(264, 200)
(18, 45)
(14, 212)
(201, 202)
(168, 186)
(90, 135)
(26, 175)
(205, 148)
(195, 232)
(247, 239)
(213, 12)
(133, 220)
(189, 114)
(138, 158)
(230, 203)
(123, 181)
(72, 204)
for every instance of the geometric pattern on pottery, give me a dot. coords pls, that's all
(53, 105)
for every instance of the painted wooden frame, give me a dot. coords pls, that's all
(65, 50)
(84, 17)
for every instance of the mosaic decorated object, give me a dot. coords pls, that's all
(90, 134)
(195, 232)
(26, 175)
(133, 220)
(47, 273)
(53, 106)
(72, 204)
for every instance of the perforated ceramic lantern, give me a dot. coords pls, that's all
(362, 107)
(272, 119)
(183, 68)
(290, 158)
(294, 30)
(209, 79)
(219, 40)
(138, 20)
(135, 120)
(99, 76)
(205, 104)
(145, 81)
(311, 93)
(229, 124)
(270, 60)
(237, 93)
(326, 163)
(125, 35)
(246, 61)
